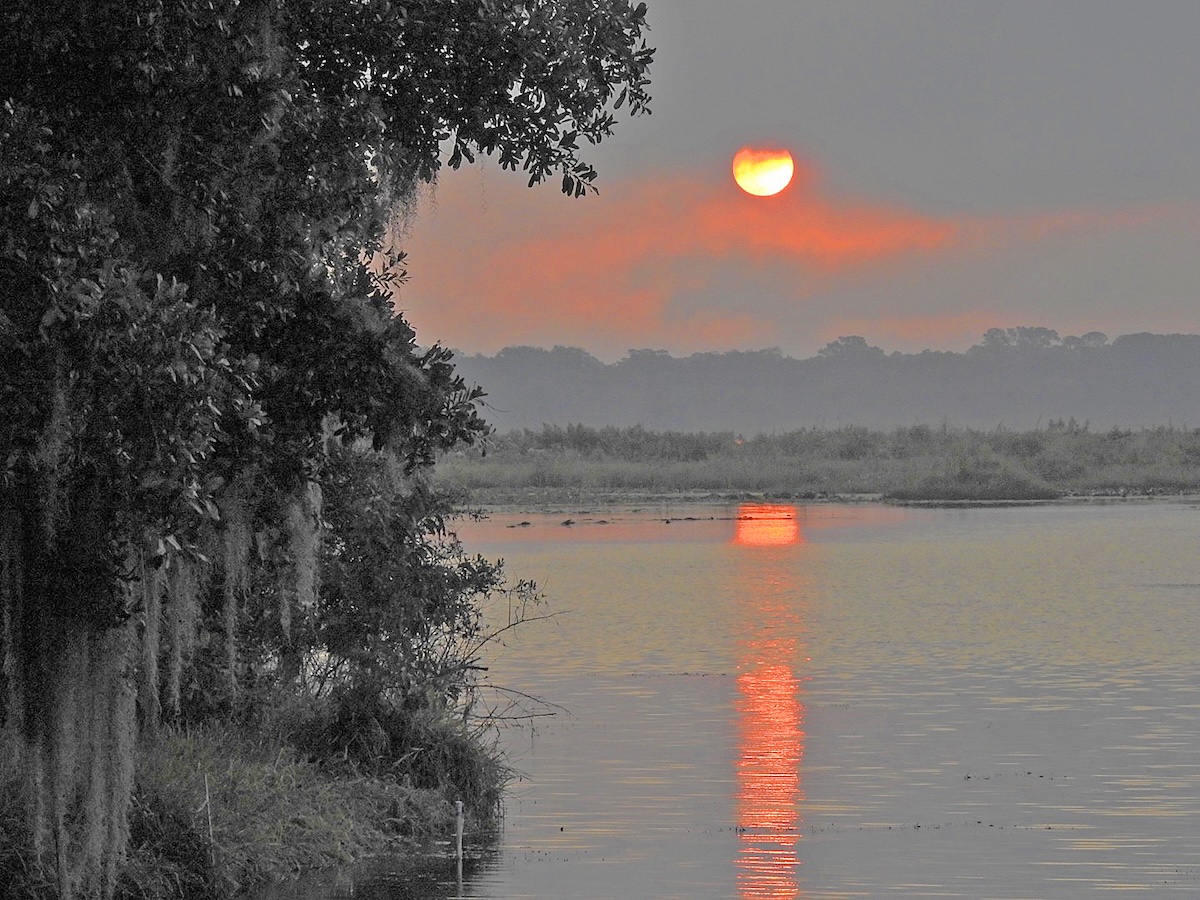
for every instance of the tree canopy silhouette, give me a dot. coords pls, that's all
(194, 198)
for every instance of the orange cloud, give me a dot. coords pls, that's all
(495, 263)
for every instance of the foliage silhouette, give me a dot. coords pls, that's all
(194, 277)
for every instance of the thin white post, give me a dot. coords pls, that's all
(458, 828)
(212, 844)
(458, 853)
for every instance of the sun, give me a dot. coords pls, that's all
(762, 172)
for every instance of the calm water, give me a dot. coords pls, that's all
(850, 701)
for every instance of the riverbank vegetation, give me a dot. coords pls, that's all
(913, 464)
(216, 526)
(217, 809)
(260, 752)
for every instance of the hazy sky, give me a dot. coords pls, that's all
(961, 165)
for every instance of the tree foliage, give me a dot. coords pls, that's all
(400, 631)
(194, 301)
(1133, 381)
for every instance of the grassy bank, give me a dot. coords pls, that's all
(908, 464)
(217, 811)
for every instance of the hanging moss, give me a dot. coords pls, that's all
(10, 613)
(70, 700)
(236, 540)
(121, 752)
(96, 775)
(302, 523)
(182, 614)
(52, 443)
(62, 746)
(76, 766)
(152, 580)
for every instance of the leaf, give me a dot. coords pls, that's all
(51, 317)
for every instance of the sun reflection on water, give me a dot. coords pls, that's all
(770, 714)
(767, 525)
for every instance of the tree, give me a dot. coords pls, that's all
(851, 347)
(399, 630)
(1020, 338)
(1091, 340)
(193, 299)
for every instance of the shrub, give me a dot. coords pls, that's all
(978, 477)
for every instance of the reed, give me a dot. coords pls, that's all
(274, 810)
(916, 463)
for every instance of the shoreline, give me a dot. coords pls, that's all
(237, 814)
(587, 465)
(582, 502)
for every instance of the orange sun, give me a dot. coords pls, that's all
(762, 172)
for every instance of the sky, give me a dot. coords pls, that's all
(960, 165)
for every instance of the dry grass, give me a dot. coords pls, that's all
(273, 814)
(918, 463)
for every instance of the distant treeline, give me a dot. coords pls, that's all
(919, 462)
(1017, 378)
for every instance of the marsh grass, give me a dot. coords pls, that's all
(908, 464)
(978, 478)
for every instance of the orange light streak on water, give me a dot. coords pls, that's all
(770, 714)
(769, 789)
(767, 525)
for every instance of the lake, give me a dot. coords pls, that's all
(826, 701)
